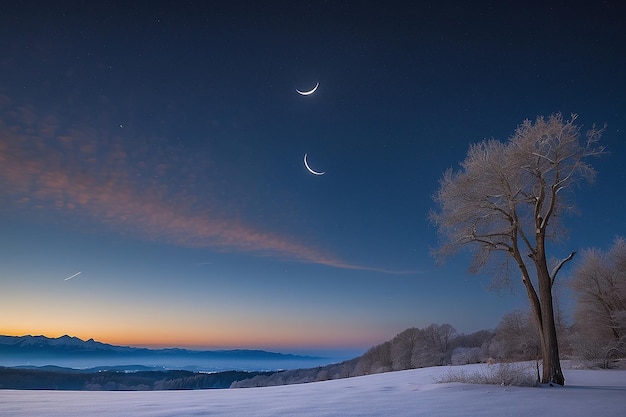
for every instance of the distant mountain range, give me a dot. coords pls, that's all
(73, 352)
(68, 345)
(42, 345)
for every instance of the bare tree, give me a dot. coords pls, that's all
(435, 347)
(376, 360)
(402, 348)
(600, 281)
(505, 202)
(515, 338)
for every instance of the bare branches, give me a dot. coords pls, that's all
(554, 159)
(600, 281)
(512, 191)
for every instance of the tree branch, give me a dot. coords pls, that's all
(559, 266)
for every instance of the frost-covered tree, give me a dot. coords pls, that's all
(435, 346)
(375, 360)
(600, 282)
(505, 202)
(402, 348)
(515, 338)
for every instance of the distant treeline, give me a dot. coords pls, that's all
(68, 379)
(513, 340)
(413, 348)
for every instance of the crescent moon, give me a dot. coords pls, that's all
(306, 164)
(308, 93)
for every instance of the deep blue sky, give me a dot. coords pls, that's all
(157, 148)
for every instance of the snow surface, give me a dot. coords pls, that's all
(404, 393)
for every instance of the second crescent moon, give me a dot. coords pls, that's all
(312, 171)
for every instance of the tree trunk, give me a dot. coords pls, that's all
(551, 372)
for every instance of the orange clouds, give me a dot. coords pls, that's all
(136, 186)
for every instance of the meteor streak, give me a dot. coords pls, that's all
(76, 274)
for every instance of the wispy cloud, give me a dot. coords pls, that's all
(141, 187)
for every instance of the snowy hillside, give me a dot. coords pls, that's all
(404, 393)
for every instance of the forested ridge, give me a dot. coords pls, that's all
(69, 379)
(413, 348)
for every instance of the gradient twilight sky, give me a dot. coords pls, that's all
(157, 148)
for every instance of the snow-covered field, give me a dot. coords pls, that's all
(405, 393)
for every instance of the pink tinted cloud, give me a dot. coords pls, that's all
(94, 174)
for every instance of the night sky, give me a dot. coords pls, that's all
(157, 148)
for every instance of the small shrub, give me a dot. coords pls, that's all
(520, 375)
